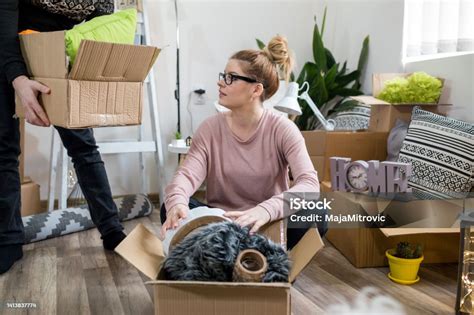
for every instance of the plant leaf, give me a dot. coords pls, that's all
(343, 69)
(319, 53)
(348, 78)
(324, 21)
(260, 44)
(347, 92)
(331, 75)
(308, 73)
(329, 58)
(364, 55)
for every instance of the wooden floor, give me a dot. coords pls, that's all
(74, 275)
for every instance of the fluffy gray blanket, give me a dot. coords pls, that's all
(209, 254)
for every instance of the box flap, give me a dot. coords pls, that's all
(304, 251)
(275, 231)
(100, 61)
(221, 284)
(143, 250)
(44, 54)
(369, 100)
(27, 180)
(407, 231)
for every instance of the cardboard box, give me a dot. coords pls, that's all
(383, 115)
(358, 145)
(103, 88)
(365, 247)
(30, 198)
(144, 250)
(21, 158)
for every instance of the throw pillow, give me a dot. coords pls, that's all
(441, 152)
(395, 140)
(356, 118)
(115, 28)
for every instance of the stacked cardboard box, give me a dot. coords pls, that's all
(30, 191)
(103, 88)
(30, 198)
(365, 247)
(358, 145)
(383, 115)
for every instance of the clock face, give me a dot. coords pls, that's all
(357, 176)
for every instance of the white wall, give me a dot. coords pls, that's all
(458, 73)
(210, 31)
(348, 22)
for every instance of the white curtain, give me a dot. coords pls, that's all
(438, 26)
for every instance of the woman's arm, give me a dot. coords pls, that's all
(293, 148)
(12, 64)
(191, 173)
(304, 176)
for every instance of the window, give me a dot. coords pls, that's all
(438, 26)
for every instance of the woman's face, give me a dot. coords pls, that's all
(239, 92)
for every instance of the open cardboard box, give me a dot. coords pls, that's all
(144, 250)
(358, 145)
(365, 247)
(383, 115)
(103, 88)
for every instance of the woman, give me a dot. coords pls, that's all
(44, 15)
(244, 153)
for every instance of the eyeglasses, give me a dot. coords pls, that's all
(228, 78)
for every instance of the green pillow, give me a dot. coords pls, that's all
(114, 28)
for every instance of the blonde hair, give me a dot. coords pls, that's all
(268, 65)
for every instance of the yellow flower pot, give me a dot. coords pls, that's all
(402, 270)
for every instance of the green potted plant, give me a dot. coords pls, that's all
(178, 141)
(329, 83)
(404, 262)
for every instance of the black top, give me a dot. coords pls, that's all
(18, 15)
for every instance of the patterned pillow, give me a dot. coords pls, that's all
(356, 118)
(353, 119)
(441, 152)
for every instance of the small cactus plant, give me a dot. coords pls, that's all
(177, 135)
(408, 251)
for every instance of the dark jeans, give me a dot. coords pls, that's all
(293, 236)
(90, 170)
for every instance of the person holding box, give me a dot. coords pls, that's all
(44, 16)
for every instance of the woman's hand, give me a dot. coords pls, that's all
(179, 211)
(254, 218)
(28, 91)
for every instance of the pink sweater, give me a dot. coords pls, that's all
(243, 174)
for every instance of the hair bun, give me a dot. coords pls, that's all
(278, 52)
